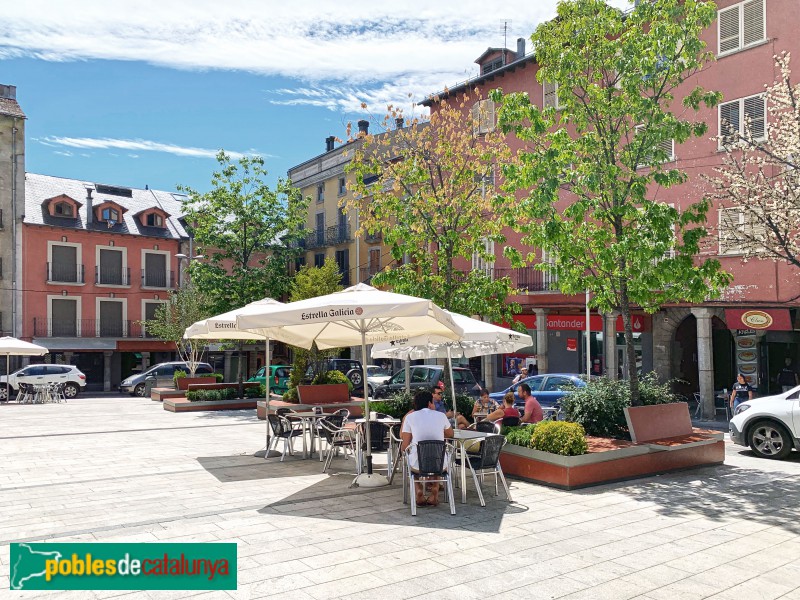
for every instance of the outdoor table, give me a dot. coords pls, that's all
(359, 422)
(461, 437)
(550, 412)
(308, 420)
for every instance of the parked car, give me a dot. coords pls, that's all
(426, 376)
(278, 378)
(73, 379)
(548, 389)
(350, 367)
(163, 372)
(769, 425)
(376, 376)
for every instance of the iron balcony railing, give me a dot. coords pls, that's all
(158, 279)
(330, 236)
(88, 328)
(65, 273)
(527, 278)
(112, 276)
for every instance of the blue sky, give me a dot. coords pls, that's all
(147, 92)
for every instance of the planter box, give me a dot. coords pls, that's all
(159, 394)
(183, 405)
(620, 464)
(183, 382)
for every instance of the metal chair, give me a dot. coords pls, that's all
(698, 408)
(487, 461)
(432, 460)
(333, 430)
(282, 429)
(511, 421)
(394, 455)
(485, 427)
(26, 394)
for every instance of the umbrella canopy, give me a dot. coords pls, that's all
(358, 314)
(480, 339)
(11, 346)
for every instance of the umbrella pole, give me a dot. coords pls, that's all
(408, 373)
(452, 385)
(8, 376)
(368, 479)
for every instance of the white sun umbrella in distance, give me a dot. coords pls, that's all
(358, 314)
(480, 339)
(11, 346)
(224, 327)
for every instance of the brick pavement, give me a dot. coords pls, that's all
(117, 469)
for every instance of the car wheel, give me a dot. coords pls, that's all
(71, 390)
(356, 377)
(3, 394)
(769, 440)
(139, 390)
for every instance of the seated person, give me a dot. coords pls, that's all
(437, 392)
(507, 410)
(425, 423)
(484, 404)
(523, 374)
(533, 410)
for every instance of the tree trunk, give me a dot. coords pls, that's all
(630, 349)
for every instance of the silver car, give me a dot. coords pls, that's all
(163, 373)
(73, 379)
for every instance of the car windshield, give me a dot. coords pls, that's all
(377, 372)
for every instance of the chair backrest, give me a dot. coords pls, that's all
(317, 410)
(511, 421)
(382, 416)
(490, 450)
(330, 426)
(342, 412)
(430, 457)
(276, 424)
(283, 411)
(485, 427)
(378, 434)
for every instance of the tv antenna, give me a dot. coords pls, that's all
(506, 26)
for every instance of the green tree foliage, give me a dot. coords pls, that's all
(311, 282)
(245, 230)
(427, 188)
(184, 307)
(594, 163)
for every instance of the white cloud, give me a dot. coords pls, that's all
(365, 49)
(140, 145)
(63, 153)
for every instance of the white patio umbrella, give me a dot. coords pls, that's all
(224, 327)
(358, 314)
(480, 339)
(11, 346)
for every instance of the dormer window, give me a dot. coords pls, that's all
(110, 214)
(64, 209)
(155, 220)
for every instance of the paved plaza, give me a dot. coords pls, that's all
(119, 469)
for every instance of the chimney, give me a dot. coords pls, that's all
(363, 127)
(520, 48)
(399, 122)
(9, 92)
(329, 141)
(89, 206)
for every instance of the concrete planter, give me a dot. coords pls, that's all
(177, 405)
(183, 382)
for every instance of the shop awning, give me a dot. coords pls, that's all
(777, 319)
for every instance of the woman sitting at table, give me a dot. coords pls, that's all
(507, 410)
(484, 405)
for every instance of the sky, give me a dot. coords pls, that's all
(147, 92)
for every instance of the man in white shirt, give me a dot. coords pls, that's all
(425, 423)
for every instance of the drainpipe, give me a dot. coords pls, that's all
(14, 271)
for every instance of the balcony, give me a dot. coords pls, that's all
(331, 236)
(65, 273)
(158, 279)
(87, 328)
(527, 279)
(112, 276)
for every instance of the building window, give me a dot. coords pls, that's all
(342, 186)
(111, 318)
(155, 272)
(64, 317)
(321, 192)
(743, 118)
(64, 264)
(155, 220)
(110, 214)
(299, 263)
(480, 262)
(738, 230)
(491, 66)
(343, 262)
(741, 26)
(483, 120)
(666, 146)
(319, 259)
(111, 268)
(320, 231)
(64, 209)
(550, 95)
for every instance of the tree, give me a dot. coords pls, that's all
(310, 282)
(760, 177)
(595, 156)
(248, 233)
(183, 307)
(427, 188)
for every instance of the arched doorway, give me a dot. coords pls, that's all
(684, 357)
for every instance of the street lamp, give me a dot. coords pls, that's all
(181, 257)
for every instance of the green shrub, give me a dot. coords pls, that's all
(395, 406)
(255, 392)
(291, 395)
(218, 376)
(178, 375)
(559, 437)
(599, 407)
(519, 436)
(329, 377)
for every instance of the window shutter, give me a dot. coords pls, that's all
(488, 114)
(476, 118)
(729, 122)
(754, 116)
(550, 94)
(752, 22)
(729, 29)
(730, 224)
(668, 146)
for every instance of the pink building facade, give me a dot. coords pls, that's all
(754, 326)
